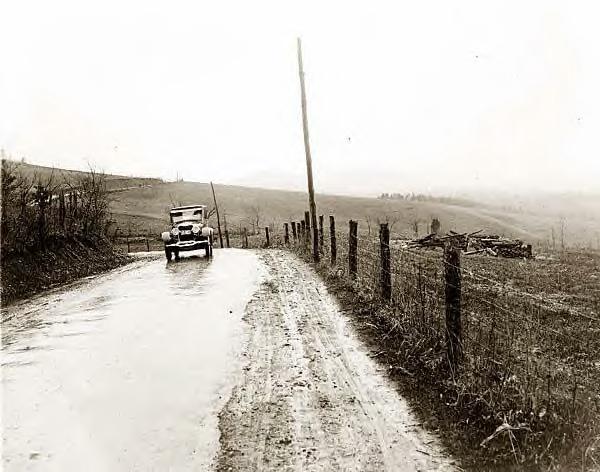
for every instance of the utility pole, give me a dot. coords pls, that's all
(311, 189)
(217, 211)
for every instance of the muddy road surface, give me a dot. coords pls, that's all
(240, 363)
(126, 371)
(311, 398)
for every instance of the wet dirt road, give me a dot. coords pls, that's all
(311, 398)
(126, 371)
(243, 363)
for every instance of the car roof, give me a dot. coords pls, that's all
(190, 207)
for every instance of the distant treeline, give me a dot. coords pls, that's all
(421, 197)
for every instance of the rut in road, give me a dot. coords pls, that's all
(310, 397)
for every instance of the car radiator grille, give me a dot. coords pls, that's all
(186, 237)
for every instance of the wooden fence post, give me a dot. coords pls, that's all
(245, 240)
(333, 239)
(226, 231)
(321, 233)
(307, 226)
(62, 212)
(352, 249)
(386, 275)
(147, 244)
(303, 229)
(294, 230)
(267, 235)
(286, 233)
(453, 295)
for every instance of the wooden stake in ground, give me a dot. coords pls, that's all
(353, 249)
(453, 296)
(307, 225)
(218, 219)
(311, 189)
(226, 232)
(321, 238)
(386, 274)
(332, 239)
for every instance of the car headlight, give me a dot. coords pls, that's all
(196, 229)
(175, 231)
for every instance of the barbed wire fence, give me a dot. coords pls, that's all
(515, 354)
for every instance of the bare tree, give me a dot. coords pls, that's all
(212, 210)
(255, 216)
(389, 220)
(562, 233)
(35, 209)
(415, 227)
(435, 226)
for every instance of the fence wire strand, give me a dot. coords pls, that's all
(506, 332)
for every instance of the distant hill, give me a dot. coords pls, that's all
(243, 205)
(43, 173)
(141, 205)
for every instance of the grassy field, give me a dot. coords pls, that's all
(59, 176)
(140, 205)
(145, 211)
(525, 394)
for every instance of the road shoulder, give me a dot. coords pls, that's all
(311, 398)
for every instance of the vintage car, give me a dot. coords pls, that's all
(189, 231)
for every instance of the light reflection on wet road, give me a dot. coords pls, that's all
(126, 371)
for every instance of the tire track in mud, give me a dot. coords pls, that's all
(310, 398)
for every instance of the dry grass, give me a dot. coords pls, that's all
(527, 394)
(145, 209)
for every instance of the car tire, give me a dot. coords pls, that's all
(207, 250)
(168, 254)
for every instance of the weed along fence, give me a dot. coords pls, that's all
(512, 359)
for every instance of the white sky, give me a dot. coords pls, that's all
(420, 95)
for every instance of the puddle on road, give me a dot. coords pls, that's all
(126, 371)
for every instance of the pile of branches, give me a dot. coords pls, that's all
(476, 243)
(459, 240)
(495, 245)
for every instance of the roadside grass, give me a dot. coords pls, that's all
(63, 260)
(527, 395)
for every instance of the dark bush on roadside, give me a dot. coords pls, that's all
(41, 212)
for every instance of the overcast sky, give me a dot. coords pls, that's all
(420, 95)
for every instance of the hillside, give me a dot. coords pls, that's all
(140, 205)
(145, 209)
(67, 176)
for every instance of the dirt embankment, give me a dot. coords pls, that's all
(62, 262)
(311, 398)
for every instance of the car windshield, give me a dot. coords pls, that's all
(192, 214)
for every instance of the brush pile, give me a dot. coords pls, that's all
(498, 246)
(460, 240)
(476, 243)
